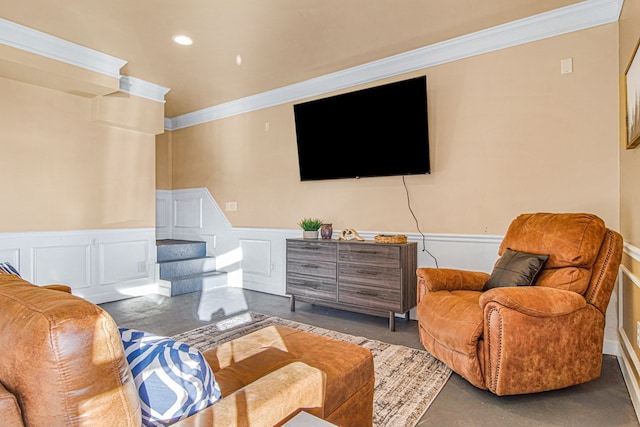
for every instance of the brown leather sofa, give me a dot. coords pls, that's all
(525, 339)
(63, 364)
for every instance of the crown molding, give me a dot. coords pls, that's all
(143, 88)
(30, 40)
(583, 15)
(39, 43)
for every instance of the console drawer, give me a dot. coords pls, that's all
(367, 275)
(366, 295)
(312, 287)
(376, 254)
(318, 269)
(311, 250)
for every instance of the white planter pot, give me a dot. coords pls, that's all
(310, 234)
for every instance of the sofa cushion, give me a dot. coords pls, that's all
(515, 268)
(173, 379)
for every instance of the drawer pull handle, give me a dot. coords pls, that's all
(365, 252)
(310, 248)
(367, 272)
(310, 266)
(372, 294)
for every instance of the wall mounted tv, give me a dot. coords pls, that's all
(378, 131)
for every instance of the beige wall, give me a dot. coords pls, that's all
(163, 161)
(509, 134)
(63, 169)
(629, 194)
(629, 159)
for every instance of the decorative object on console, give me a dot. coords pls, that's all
(310, 227)
(349, 234)
(390, 238)
(326, 231)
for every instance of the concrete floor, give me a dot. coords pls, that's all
(602, 402)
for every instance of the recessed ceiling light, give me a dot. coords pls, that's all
(183, 40)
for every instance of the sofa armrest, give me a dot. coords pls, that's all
(63, 288)
(535, 301)
(444, 279)
(268, 401)
(10, 413)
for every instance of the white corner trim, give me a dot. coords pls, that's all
(30, 40)
(582, 15)
(144, 89)
(632, 251)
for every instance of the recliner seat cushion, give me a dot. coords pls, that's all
(452, 321)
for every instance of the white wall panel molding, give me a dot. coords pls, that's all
(193, 215)
(582, 15)
(99, 265)
(627, 357)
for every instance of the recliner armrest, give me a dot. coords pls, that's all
(444, 279)
(535, 301)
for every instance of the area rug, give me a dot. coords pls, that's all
(407, 380)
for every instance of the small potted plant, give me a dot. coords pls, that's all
(310, 227)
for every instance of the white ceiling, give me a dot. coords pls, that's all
(280, 42)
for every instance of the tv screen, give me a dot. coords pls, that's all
(378, 131)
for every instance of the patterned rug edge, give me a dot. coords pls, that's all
(407, 379)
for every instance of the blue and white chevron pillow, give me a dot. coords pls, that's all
(7, 268)
(173, 379)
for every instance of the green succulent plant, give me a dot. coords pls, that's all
(310, 224)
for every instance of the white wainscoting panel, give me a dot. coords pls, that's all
(52, 264)
(187, 212)
(163, 214)
(10, 255)
(99, 265)
(123, 261)
(630, 364)
(256, 257)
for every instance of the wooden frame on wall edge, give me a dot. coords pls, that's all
(632, 93)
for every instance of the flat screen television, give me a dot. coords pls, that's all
(378, 131)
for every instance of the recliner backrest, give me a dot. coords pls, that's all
(572, 241)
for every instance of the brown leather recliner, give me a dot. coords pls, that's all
(526, 339)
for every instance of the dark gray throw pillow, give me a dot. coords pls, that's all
(515, 268)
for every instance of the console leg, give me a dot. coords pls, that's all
(392, 321)
(292, 307)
